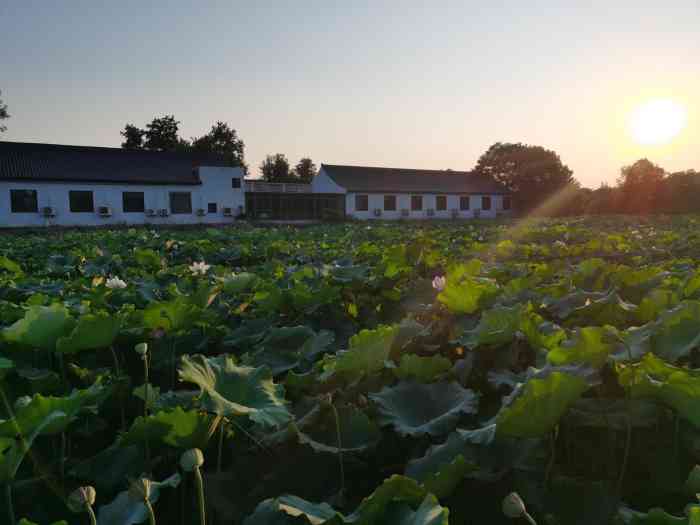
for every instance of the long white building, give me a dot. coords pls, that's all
(48, 184)
(394, 193)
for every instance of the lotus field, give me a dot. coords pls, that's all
(348, 374)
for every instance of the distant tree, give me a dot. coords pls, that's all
(161, 135)
(275, 168)
(640, 185)
(3, 114)
(305, 170)
(679, 193)
(222, 140)
(532, 173)
(133, 137)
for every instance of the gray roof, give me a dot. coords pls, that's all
(59, 163)
(400, 180)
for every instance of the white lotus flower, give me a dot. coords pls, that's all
(114, 283)
(200, 268)
(439, 282)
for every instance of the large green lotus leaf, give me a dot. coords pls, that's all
(13, 449)
(595, 309)
(466, 296)
(11, 266)
(614, 414)
(40, 327)
(656, 302)
(176, 428)
(541, 334)
(589, 345)
(677, 331)
(92, 331)
(230, 390)
(285, 348)
(238, 283)
(367, 352)
(422, 369)
(176, 314)
(31, 415)
(108, 469)
(6, 365)
(535, 406)
(25, 521)
(497, 326)
(147, 259)
(416, 409)
(357, 431)
(125, 510)
(676, 387)
(444, 466)
(656, 516)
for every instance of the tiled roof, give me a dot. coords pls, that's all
(59, 163)
(399, 180)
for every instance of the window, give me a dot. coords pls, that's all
(389, 202)
(464, 202)
(81, 201)
(361, 202)
(211, 207)
(485, 203)
(180, 202)
(23, 201)
(506, 202)
(235, 182)
(132, 202)
(441, 202)
(416, 202)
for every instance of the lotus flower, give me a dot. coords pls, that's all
(200, 268)
(439, 282)
(114, 283)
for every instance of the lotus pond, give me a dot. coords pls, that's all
(353, 374)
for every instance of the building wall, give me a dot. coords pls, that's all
(403, 202)
(322, 183)
(216, 187)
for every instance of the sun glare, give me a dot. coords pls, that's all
(657, 122)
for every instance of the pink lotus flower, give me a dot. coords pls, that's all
(439, 282)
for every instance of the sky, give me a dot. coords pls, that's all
(379, 83)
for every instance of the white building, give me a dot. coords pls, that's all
(393, 193)
(48, 184)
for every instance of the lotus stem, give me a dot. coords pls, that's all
(529, 519)
(200, 496)
(340, 448)
(10, 505)
(62, 458)
(147, 447)
(552, 455)
(91, 513)
(115, 359)
(151, 514)
(190, 461)
(221, 447)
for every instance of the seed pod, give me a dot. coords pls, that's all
(140, 489)
(191, 459)
(141, 349)
(513, 506)
(81, 498)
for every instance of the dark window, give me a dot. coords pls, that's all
(211, 207)
(361, 202)
(485, 203)
(23, 201)
(132, 201)
(81, 201)
(180, 202)
(389, 202)
(464, 202)
(235, 182)
(416, 202)
(506, 203)
(441, 202)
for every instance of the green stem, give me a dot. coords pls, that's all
(221, 447)
(10, 506)
(200, 496)
(151, 514)
(147, 447)
(529, 519)
(340, 449)
(116, 361)
(91, 513)
(552, 455)
(62, 458)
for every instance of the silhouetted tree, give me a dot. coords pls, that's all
(275, 168)
(133, 137)
(640, 185)
(532, 173)
(222, 140)
(305, 170)
(3, 114)
(161, 135)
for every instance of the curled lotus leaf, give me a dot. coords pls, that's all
(41, 327)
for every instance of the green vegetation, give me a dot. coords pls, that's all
(451, 372)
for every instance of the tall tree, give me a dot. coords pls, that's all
(133, 137)
(275, 168)
(222, 140)
(305, 170)
(161, 135)
(640, 186)
(532, 173)
(3, 114)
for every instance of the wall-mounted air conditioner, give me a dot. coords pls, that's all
(228, 212)
(404, 213)
(163, 212)
(377, 212)
(430, 212)
(150, 212)
(104, 211)
(48, 211)
(201, 212)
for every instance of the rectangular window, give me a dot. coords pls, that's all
(236, 182)
(485, 203)
(133, 202)
(506, 203)
(81, 201)
(416, 202)
(389, 202)
(211, 207)
(441, 202)
(23, 201)
(361, 202)
(464, 202)
(180, 202)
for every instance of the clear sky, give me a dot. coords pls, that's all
(404, 84)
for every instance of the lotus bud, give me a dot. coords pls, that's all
(140, 489)
(22, 402)
(514, 507)
(141, 349)
(81, 498)
(191, 459)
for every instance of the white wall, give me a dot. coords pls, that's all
(403, 201)
(216, 187)
(322, 183)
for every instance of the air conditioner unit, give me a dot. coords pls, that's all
(454, 213)
(150, 213)
(228, 212)
(405, 213)
(201, 212)
(377, 212)
(48, 211)
(430, 212)
(163, 212)
(104, 211)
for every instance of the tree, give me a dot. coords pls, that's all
(222, 140)
(3, 114)
(275, 168)
(305, 170)
(640, 185)
(532, 173)
(133, 137)
(161, 135)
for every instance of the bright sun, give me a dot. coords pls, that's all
(657, 122)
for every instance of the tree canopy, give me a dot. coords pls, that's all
(3, 114)
(305, 169)
(275, 168)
